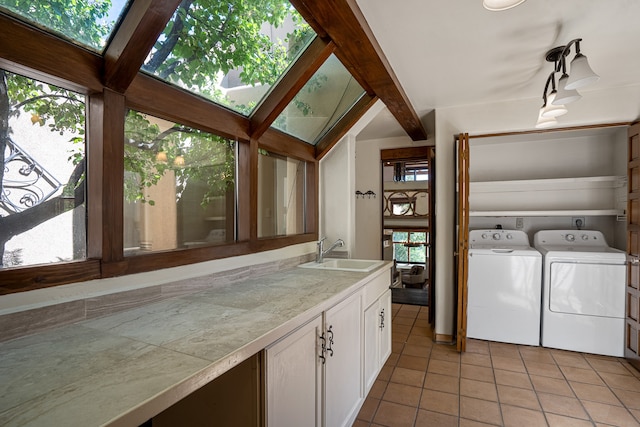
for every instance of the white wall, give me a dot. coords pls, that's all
(336, 201)
(350, 166)
(369, 177)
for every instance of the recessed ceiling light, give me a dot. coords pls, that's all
(497, 5)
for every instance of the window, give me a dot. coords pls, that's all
(323, 100)
(42, 204)
(281, 193)
(410, 247)
(406, 171)
(229, 52)
(179, 186)
(171, 175)
(86, 22)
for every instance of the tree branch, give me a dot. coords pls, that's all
(161, 55)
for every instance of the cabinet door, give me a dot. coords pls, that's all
(343, 374)
(377, 338)
(293, 378)
(371, 344)
(385, 330)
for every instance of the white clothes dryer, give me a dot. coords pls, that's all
(503, 287)
(583, 299)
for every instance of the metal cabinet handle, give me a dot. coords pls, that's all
(324, 349)
(382, 319)
(330, 336)
(633, 260)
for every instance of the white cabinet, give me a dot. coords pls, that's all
(343, 392)
(377, 338)
(314, 375)
(294, 381)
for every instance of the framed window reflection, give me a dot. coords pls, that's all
(179, 186)
(281, 195)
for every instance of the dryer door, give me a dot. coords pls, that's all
(587, 289)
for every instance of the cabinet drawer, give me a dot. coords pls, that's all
(376, 287)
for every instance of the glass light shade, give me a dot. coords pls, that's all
(497, 5)
(565, 96)
(545, 122)
(551, 110)
(581, 73)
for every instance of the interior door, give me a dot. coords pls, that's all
(632, 332)
(463, 239)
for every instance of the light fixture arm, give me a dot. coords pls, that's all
(551, 80)
(565, 51)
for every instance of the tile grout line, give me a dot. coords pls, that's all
(544, 413)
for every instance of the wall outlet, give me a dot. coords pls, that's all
(578, 222)
(519, 223)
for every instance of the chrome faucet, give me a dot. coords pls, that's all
(321, 252)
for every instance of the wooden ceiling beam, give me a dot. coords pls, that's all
(185, 108)
(345, 123)
(282, 143)
(142, 25)
(30, 51)
(357, 47)
(289, 85)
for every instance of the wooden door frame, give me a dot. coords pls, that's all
(423, 152)
(461, 262)
(462, 237)
(632, 288)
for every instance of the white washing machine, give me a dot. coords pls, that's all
(503, 287)
(583, 299)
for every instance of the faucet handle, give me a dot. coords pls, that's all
(322, 240)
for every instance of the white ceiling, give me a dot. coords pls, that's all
(454, 52)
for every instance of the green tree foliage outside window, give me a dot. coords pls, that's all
(410, 247)
(207, 39)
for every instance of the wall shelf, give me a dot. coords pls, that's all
(584, 196)
(572, 212)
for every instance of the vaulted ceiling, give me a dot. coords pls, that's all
(456, 53)
(414, 56)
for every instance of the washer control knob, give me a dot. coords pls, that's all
(509, 237)
(570, 238)
(484, 235)
(496, 236)
(585, 237)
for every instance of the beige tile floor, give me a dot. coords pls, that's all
(428, 384)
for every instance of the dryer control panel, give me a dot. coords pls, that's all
(580, 238)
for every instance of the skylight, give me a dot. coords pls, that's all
(231, 56)
(89, 23)
(323, 100)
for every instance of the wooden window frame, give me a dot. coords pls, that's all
(112, 82)
(105, 154)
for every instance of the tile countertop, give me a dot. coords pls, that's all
(124, 368)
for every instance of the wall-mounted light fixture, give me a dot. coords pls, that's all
(498, 5)
(554, 102)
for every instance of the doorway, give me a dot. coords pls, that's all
(407, 209)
